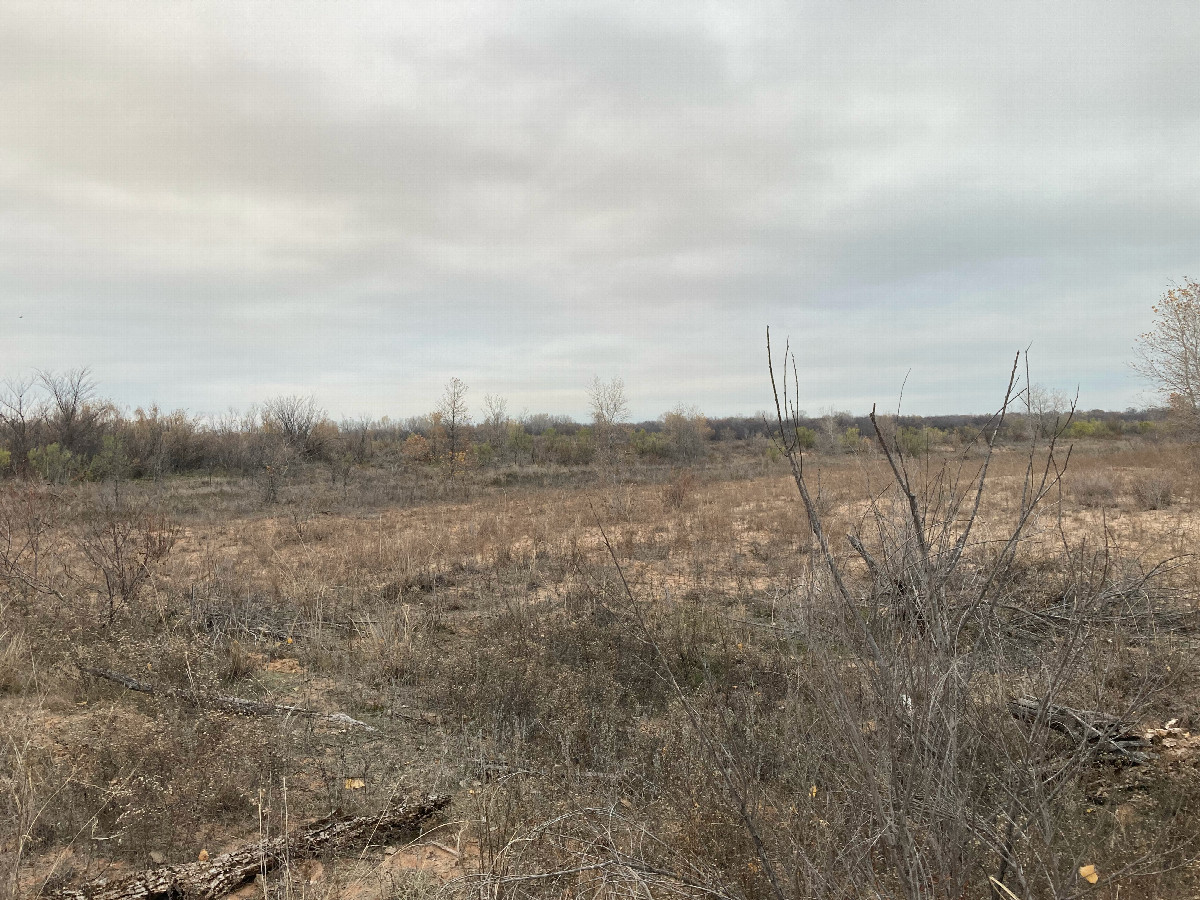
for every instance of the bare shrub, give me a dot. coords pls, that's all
(1093, 490)
(125, 546)
(296, 418)
(31, 518)
(22, 799)
(277, 460)
(902, 705)
(1153, 490)
(678, 490)
(16, 664)
(20, 411)
(687, 432)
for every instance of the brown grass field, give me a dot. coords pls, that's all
(727, 727)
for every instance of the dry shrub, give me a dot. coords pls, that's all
(398, 650)
(1154, 490)
(1093, 489)
(678, 490)
(16, 663)
(24, 795)
(239, 662)
(125, 546)
(134, 784)
(581, 770)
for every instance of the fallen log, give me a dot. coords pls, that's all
(216, 701)
(1111, 736)
(216, 877)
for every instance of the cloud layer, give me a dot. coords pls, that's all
(213, 203)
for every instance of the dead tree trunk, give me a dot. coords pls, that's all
(1111, 736)
(229, 704)
(216, 877)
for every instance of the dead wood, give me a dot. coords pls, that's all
(216, 877)
(216, 701)
(1110, 735)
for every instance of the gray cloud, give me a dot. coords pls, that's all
(210, 203)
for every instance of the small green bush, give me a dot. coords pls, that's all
(851, 440)
(650, 444)
(913, 441)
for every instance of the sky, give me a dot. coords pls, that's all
(211, 204)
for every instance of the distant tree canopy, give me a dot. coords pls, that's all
(57, 427)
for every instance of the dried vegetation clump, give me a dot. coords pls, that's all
(821, 676)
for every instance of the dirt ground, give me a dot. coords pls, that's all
(472, 630)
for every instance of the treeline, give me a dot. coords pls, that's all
(57, 426)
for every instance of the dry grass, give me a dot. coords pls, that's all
(482, 627)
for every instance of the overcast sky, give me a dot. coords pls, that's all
(211, 204)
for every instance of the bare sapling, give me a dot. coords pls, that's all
(965, 779)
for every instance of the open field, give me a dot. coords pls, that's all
(725, 725)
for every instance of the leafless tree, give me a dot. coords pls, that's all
(295, 416)
(356, 438)
(456, 420)
(495, 420)
(1169, 353)
(1045, 409)
(688, 432)
(610, 413)
(832, 424)
(75, 413)
(19, 411)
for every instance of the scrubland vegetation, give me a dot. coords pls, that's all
(766, 657)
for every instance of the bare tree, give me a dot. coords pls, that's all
(1045, 409)
(295, 417)
(687, 430)
(75, 414)
(610, 413)
(18, 414)
(1169, 353)
(495, 420)
(832, 425)
(455, 419)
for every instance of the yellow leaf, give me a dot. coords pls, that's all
(202, 856)
(355, 784)
(812, 791)
(1089, 874)
(289, 640)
